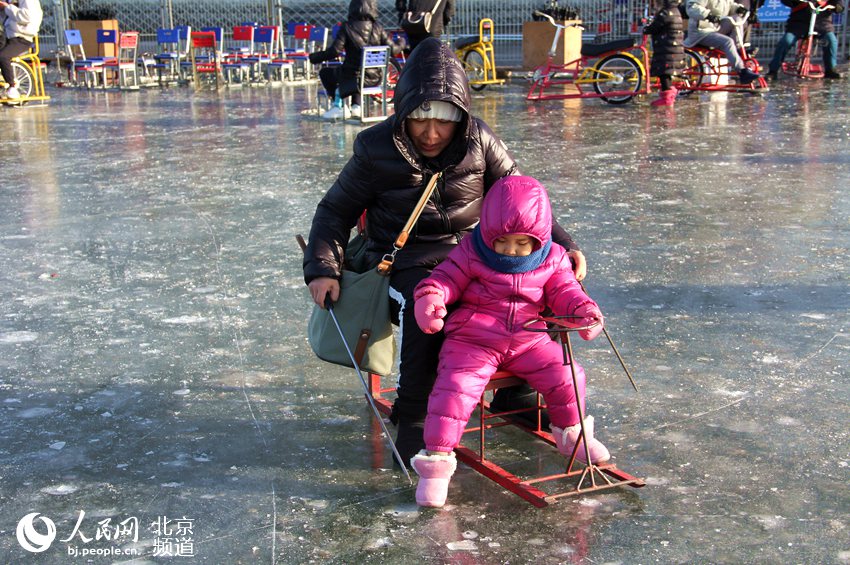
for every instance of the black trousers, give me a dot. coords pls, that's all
(419, 351)
(14, 47)
(332, 79)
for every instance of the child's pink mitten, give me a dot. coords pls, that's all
(430, 310)
(589, 314)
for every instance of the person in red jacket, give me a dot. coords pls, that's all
(797, 27)
(501, 277)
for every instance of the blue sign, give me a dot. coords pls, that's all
(773, 11)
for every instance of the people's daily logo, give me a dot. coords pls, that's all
(31, 539)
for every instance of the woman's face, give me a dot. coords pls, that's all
(430, 136)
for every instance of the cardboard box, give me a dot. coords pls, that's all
(537, 39)
(88, 30)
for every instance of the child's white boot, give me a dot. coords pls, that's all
(435, 472)
(566, 439)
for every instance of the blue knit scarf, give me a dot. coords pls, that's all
(508, 263)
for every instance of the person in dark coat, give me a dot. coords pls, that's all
(668, 51)
(797, 27)
(431, 131)
(439, 21)
(360, 30)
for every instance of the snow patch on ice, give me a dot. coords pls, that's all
(813, 315)
(185, 320)
(185, 391)
(60, 490)
(379, 543)
(404, 512)
(732, 393)
(339, 420)
(57, 445)
(771, 522)
(204, 290)
(18, 337)
(35, 412)
(465, 545)
(770, 359)
(656, 481)
(788, 421)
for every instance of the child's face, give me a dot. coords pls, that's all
(515, 244)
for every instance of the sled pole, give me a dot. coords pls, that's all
(614, 347)
(330, 309)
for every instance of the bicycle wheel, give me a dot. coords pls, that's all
(473, 62)
(393, 70)
(617, 73)
(692, 74)
(23, 78)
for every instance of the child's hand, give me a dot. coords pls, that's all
(430, 311)
(590, 314)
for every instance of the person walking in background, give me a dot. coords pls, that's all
(22, 20)
(501, 277)
(412, 16)
(712, 24)
(360, 30)
(668, 49)
(797, 27)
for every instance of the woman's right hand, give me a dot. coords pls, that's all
(579, 264)
(323, 286)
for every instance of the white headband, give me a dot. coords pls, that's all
(437, 110)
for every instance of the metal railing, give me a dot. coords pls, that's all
(604, 20)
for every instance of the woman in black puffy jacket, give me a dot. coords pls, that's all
(431, 132)
(360, 30)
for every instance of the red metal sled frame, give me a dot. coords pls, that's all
(581, 480)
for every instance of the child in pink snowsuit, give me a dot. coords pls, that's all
(502, 275)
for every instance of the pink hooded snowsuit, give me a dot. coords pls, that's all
(485, 332)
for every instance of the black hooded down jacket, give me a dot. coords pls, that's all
(361, 29)
(798, 20)
(442, 16)
(386, 176)
(668, 35)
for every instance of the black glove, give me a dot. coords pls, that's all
(713, 19)
(315, 58)
(646, 30)
(740, 10)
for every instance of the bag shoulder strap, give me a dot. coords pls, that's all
(436, 5)
(386, 264)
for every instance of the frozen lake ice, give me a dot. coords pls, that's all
(154, 369)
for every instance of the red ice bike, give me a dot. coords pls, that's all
(802, 65)
(707, 70)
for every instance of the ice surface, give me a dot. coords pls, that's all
(152, 324)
